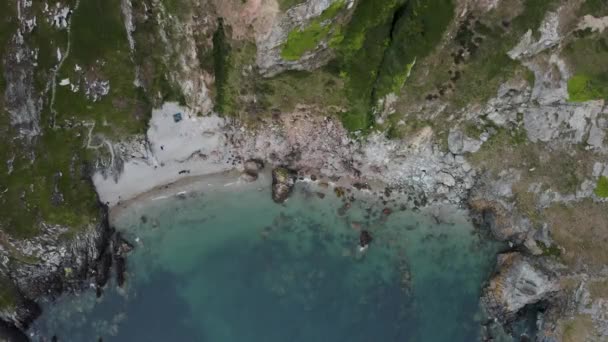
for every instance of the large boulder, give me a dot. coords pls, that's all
(459, 143)
(251, 169)
(283, 180)
(517, 283)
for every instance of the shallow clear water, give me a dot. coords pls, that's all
(228, 264)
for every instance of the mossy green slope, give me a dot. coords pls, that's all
(377, 48)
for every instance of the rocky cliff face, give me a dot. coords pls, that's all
(494, 105)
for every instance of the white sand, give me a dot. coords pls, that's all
(195, 145)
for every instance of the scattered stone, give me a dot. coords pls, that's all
(342, 210)
(365, 238)
(459, 143)
(446, 179)
(361, 186)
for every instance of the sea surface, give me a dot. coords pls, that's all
(225, 263)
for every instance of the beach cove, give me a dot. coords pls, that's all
(215, 259)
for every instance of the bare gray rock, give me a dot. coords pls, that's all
(459, 143)
(269, 46)
(21, 100)
(518, 283)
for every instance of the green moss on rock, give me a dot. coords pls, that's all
(301, 40)
(601, 189)
(583, 88)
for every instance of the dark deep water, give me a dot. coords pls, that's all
(227, 264)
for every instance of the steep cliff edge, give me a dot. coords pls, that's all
(495, 105)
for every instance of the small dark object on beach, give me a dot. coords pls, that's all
(365, 238)
(361, 186)
(386, 211)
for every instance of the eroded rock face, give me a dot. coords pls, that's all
(283, 181)
(62, 265)
(21, 99)
(269, 45)
(499, 220)
(518, 283)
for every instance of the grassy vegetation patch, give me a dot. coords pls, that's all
(558, 170)
(599, 289)
(399, 128)
(578, 328)
(587, 56)
(8, 294)
(284, 5)
(583, 88)
(97, 27)
(8, 27)
(224, 101)
(179, 8)
(149, 56)
(601, 189)
(288, 89)
(551, 250)
(56, 188)
(48, 179)
(597, 8)
(100, 47)
(418, 29)
(301, 40)
(470, 69)
(580, 229)
(377, 48)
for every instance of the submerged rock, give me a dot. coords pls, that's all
(365, 238)
(517, 283)
(283, 180)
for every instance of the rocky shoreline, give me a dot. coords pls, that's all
(508, 158)
(298, 151)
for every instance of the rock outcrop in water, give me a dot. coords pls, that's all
(518, 283)
(283, 180)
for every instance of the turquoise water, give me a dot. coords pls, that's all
(228, 264)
